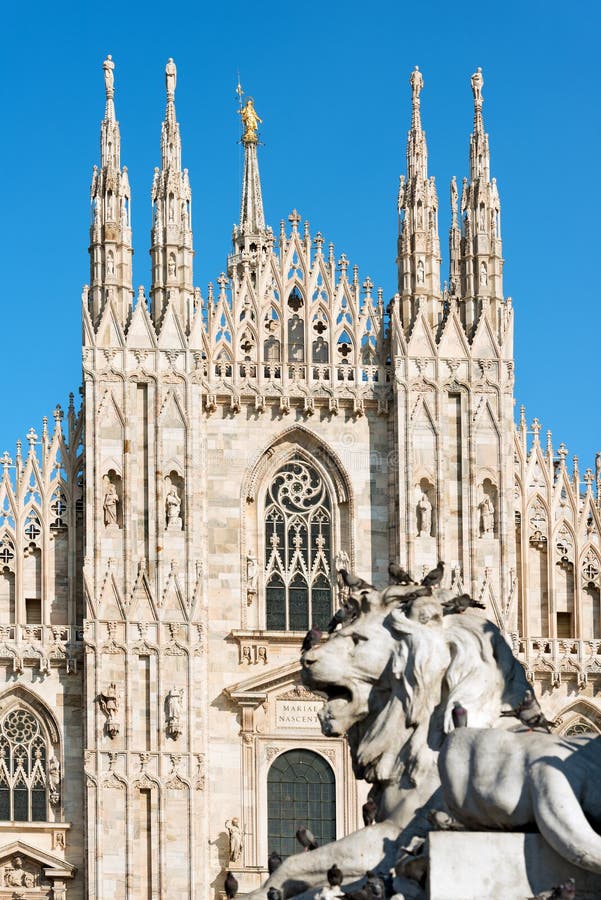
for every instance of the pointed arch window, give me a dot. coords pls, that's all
(298, 548)
(24, 761)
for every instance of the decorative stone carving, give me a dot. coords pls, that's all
(17, 875)
(173, 712)
(109, 705)
(232, 826)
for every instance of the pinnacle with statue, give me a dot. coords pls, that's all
(250, 121)
(442, 722)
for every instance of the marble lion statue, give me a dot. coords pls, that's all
(391, 676)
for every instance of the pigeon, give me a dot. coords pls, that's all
(334, 876)
(347, 613)
(369, 810)
(442, 821)
(530, 713)
(460, 604)
(312, 637)
(274, 861)
(274, 894)
(565, 891)
(376, 885)
(362, 894)
(434, 577)
(306, 838)
(231, 886)
(398, 575)
(354, 582)
(459, 715)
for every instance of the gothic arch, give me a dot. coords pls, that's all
(580, 713)
(19, 695)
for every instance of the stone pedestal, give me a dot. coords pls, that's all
(499, 866)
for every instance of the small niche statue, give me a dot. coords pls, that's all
(54, 780)
(173, 505)
(110, 706)
(487, 515)
(109, 504)
(252, 574)
(424, 514)
(232, 826)
(173, 705)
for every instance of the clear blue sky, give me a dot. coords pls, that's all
(331, 84)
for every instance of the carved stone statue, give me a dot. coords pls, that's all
(173, 506)
(109, 78)
(170, 78)
(454, 198)
(420, 272)
(252, 572)
(250, 120)
(173, 710)
(417, 82)
(424, 511)
(487, 515)
(342, 561)
(109, 705)
(17, 876)
(232, 826)
(392, 692)
(483, 275)
(54, 780)
(171, 266)
(477, 82)
(109, 504)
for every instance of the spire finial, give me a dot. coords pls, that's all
(109, 86)
(170, 79)
(417, 82)
(250, 121)
(454, 201)
(477, 84)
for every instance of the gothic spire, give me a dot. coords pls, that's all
(481, 261)
(251, 237)
(418, 257)
(252, 219)
(171, 234)
(110, 231)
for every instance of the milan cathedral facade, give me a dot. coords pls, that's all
(164, 549)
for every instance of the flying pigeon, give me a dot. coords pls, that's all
(312, 637)
(354, 582)
(369, 810)
(565, 891)
(347, 613)
(459, 715)
(460, 604)
(274, 894)
(530, 713)
(398, 575)
(231, 886)
(274, 861)
(306, 838)
(434, 577)
(334, 876)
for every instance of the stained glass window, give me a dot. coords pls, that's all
(23, 775)
(301, 791)
(298, 549)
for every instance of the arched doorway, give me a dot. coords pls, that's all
(301, 790)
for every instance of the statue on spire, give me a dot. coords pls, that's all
(477, 82)
(170, 78)
(250, 120)
(417, 82)
(454, 199)
(109, 78)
